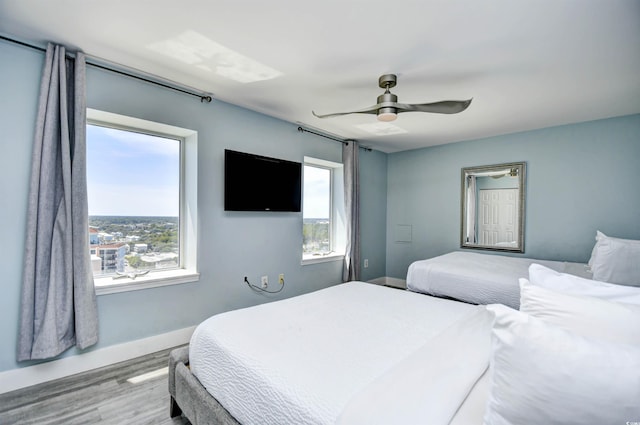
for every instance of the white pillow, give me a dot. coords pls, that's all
(541, 374)
(594, 251)
(616, 260)
(543, 276)
(586, 316)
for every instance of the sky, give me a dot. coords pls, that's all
(316, 203)
(132, 174)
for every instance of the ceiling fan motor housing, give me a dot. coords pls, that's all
(385, 99)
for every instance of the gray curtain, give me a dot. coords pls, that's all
(351, 269)
(58, 300)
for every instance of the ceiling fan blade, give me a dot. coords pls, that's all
(370, 110)
(444, 107)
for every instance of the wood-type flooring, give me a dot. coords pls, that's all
(101, 396)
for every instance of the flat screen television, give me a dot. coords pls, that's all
(260, 183)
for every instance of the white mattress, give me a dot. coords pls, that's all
(302, 360)
(478, 278)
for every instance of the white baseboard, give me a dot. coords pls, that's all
(390, 281)
(15, 379)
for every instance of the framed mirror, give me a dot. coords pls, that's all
(492, 216)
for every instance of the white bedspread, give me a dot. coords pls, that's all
(478, 278)
(430, 385)
(302, 360)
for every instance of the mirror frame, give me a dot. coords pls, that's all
(467, 171)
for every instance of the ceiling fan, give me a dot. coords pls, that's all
(388, 108)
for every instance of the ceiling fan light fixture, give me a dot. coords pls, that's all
(387, 114)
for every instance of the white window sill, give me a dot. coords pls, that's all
(315, 259)
(108, 285)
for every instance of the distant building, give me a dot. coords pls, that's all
(132, 238)
(96, 264)
(161, 260)
(105, 237)
(94, 239)
(140, 247)
(111, 255)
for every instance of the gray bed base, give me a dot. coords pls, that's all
(189, 397)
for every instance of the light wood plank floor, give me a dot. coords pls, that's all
(101, 396)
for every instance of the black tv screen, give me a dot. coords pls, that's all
(259, 183)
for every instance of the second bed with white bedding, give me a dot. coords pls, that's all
(479, 278)
(318, 358)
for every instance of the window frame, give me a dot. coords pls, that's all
(187, 270)
(337, 227)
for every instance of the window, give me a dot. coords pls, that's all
(323, 234)
(141, 183)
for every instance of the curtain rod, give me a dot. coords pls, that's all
(335, 139)
(93, 61)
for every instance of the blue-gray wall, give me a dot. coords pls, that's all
(580, 178)
(373, 213)
(231, 245)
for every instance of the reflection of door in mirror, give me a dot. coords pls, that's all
(497, 217)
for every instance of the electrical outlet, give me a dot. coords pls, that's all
(265, 281)
(366, 263)
(281, 278)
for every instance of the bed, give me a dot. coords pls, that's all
(359, 353)
(479, 278)
(252, 361)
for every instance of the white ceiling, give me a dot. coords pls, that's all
(526, 64)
